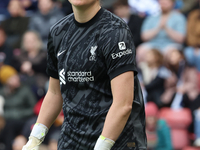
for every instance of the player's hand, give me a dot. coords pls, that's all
(36, 138)
(104, 143)
(32, 144)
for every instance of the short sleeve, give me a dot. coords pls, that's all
(119, 53)
(51, 70)
(178, 23)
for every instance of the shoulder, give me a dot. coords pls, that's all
(113, 22)
(59, 25)
(112, 29)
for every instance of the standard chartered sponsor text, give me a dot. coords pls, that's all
(79, 76)
(120, 54)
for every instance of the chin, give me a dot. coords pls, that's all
(79, 3)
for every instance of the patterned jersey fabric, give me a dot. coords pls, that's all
(85, 57)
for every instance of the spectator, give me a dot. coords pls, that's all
(6, 53)
(47, 15)
(197, 129)
(178, 4)
(191, 98)
(176, 63)
(108, 4)
(154, 76)
(30, 6)
(16, 25)
(157, 130)
(164, 31)
(18, 107)
(31, 62)
(122, 9)
(192, 52)
(188, 5)
(144, 7)
(66, 6)
(52, 137)
(19, 142)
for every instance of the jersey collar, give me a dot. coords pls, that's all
(90, 22)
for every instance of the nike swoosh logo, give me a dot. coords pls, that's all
(59, 53)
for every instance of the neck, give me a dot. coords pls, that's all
(84, 14)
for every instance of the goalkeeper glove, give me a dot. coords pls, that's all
(36, 137)
(104, 143)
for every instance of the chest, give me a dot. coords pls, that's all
(80, 57)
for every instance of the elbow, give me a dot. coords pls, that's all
(126, 110)
(122, 109)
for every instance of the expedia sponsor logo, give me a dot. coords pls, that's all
(122, 45)
(80, 76)
(121, 53)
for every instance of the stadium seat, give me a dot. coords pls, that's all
(199, 80)
(178, 121)
(191, 148)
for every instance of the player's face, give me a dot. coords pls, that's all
(80, 3)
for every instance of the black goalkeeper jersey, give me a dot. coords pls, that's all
(85, 57)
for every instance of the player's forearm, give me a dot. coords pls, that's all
(50, 109)
(116, 120)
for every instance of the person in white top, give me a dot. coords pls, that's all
(146, 7)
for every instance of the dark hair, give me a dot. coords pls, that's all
(121, 3)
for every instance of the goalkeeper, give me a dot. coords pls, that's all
(93, 78)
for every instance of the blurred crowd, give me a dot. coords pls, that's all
(166, 34)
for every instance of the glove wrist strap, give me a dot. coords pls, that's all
(39, 131)
(104, 143)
